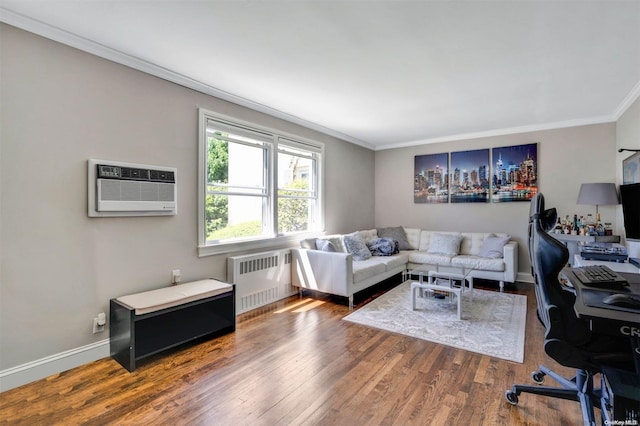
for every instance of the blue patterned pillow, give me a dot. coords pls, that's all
(355, 245)
(383, 247)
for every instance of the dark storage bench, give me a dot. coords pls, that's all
(146, 323)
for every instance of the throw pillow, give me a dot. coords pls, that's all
(337, 243)
(355, 245)
(368, 235)
(445, 244)
(383, 247)
(325, 245)
(308, 243)
(396, 233)
(493, 246)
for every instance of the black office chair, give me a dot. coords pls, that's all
(567, 339)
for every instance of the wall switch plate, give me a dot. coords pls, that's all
(175, 276)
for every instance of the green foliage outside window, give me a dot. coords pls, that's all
(293, 213)
(217, 206)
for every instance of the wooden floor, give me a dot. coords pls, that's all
(297, 362)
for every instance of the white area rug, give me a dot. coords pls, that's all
(492, 323)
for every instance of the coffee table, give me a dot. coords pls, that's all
(448, 280)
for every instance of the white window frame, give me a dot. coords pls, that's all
(276, 139)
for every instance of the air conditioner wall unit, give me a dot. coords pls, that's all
(131, 189)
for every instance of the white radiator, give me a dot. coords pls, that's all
(260, 278)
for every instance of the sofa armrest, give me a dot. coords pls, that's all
(328, 272)
(510, 261)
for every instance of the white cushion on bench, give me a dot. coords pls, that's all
(166, 297)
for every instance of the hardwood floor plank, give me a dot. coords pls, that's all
(297, 362)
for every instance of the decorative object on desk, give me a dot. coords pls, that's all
(469, 177)
(609, 252)
(515, 173)
(431, 179)
(493, 323)
(599, 194)
(631, 168)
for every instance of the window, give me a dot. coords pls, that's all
(258, 187)
(297, 192)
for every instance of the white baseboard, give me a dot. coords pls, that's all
(524, 277)
(44, 367)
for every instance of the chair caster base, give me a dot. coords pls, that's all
(538, 377)
(512, 397)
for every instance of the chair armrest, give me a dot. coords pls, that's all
(328, 272)
(510, 255)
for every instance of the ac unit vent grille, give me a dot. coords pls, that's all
(131, 173)
(161, 176)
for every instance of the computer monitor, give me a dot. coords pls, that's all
(630, 199)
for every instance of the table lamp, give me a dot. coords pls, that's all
(598, 194)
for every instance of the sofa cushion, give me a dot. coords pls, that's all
(430, 258)
(383, 247)
(477, 262)
(396, 233)
(391, 262)
(337, 242)
(308, 243)
(472, 242)
(445, 244)
(493, 246)
(325, 245)
(367, 269)
(312, 243)
(355, 245)
(425, 238)
(413, 236)
(368, 235)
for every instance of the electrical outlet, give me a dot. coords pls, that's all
(175, 276)
(97, 328)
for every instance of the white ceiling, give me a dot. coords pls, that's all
(380, 74)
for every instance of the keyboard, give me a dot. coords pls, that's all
(599, 276)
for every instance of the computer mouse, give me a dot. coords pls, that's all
(623, 301)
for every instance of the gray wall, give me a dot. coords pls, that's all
(627, 136)
(566, 158)
(59, 268)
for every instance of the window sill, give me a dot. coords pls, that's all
(262, 244)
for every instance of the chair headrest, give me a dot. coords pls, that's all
(536, 207)
(546, 218)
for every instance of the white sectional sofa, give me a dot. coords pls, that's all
(327, 265)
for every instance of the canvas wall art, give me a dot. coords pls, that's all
(431, 178)
(469, 176)
(631, 169)
(515, 173)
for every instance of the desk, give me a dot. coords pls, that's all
(572, 241)
(614, 266)
(608, 320)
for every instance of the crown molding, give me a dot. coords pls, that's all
(501, 132)
(627, 101)
(64, 37)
